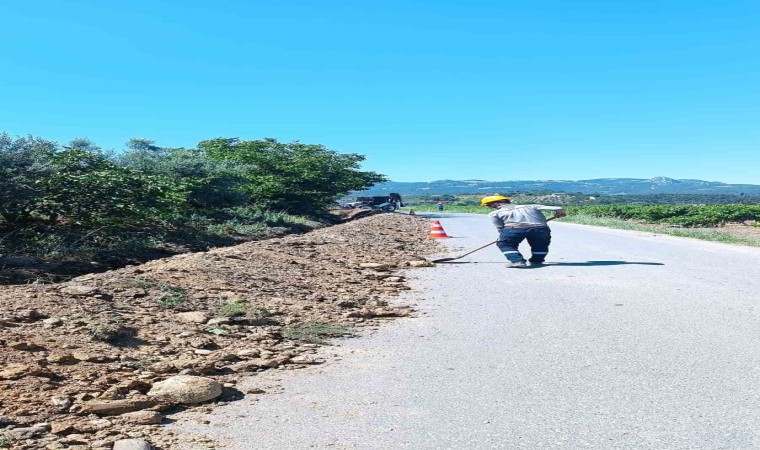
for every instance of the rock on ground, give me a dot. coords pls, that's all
(186, 389)
(98, 343)
(131, 444)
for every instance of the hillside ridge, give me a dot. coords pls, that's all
(605, 186)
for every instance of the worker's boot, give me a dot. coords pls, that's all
(517, 265)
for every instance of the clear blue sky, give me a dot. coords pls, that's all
(427, 90)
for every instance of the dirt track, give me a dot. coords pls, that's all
(79, 355)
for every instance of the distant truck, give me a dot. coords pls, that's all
(390, 202)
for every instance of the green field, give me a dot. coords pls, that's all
(723, 223)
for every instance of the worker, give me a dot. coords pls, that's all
(517, 223)
(440, 206)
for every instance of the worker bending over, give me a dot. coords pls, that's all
(518, 222)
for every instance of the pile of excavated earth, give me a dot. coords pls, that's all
(97, 362)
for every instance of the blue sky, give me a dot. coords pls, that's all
(427, 90)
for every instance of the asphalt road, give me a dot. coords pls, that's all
(626, 340)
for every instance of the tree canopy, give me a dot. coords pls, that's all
(41, 180)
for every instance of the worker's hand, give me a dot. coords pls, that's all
(559, 214)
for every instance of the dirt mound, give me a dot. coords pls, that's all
(79, 359)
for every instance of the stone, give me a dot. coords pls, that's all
(131, 444)
(14, 371)
(81, 356)
(142, 418)
(62, 403)
(192, 317)
(75, 440)
(63, 427)
(85, 427)
(25, 433)
(249, 353)
(218, 321)
(171, 366)
(201, 342)
(186, 389)
(223, 356)
(88, 357)
(364, 313)
(115, 407)
(27, 346)
(80, 290)
(419, 263)
(52, 322)
(246, 366)
(389, 312)
(301, 360)
(255, 390)
(61, 358)
(135, 293)
(98, 425)
(26, 315)
(375, 266)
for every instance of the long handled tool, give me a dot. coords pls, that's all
(462, 256)
(473, 251)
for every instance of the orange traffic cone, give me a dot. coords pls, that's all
(436, 231)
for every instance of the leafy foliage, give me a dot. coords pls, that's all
(80, 203)
(5, 441)
(209, 182)
(87, 188)
(24, 163)
(292, 176)
(81, 184)
(684, 215)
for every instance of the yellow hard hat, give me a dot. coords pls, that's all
(494, 198)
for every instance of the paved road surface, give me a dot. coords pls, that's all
(628, 340)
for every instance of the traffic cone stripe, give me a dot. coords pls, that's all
(436, 231)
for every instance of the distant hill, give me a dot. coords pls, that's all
(605, 186)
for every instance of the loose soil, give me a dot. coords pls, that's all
(78, 356)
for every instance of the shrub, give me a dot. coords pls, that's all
(683, 215)
(260, 315)
(296, 177)
(107, 331)
(5, 441)
(173, 297)
(23, 163)
(235, 308)
(87, 188)
(212, 183)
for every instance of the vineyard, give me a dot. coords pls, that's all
(677, 215)
(671, 215)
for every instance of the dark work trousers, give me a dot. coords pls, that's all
(538, 238)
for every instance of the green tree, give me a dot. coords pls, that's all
(210, 182)
(87, 188)
(24, 162)
(300, 178)
(84, 144)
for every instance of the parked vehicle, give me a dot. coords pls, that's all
(390, 202)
